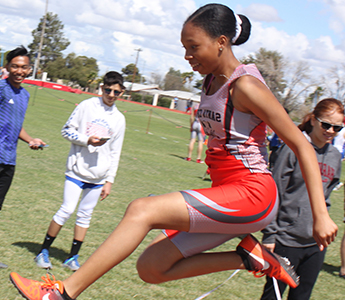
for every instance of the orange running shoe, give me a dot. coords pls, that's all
(262, 262)
(35, 290)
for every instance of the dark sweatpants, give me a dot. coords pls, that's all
(307, 262)
(6, 176)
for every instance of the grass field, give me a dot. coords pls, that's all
(150, 163)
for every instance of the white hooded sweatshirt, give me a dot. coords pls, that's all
(88, 163)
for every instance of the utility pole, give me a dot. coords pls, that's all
(135, 70)
(37, 62)
(141, 77)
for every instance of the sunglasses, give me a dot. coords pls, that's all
(326, 126)
(116, 92)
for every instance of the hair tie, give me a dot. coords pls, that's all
(238, 28)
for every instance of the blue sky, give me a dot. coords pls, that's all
(311, 31)
(309, 17)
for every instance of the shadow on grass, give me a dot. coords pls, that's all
(205, 179)
(178, 156)
(333, 270)
(184, 158)
(35, 248)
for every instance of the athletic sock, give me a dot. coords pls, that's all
(48, 240)
(75, 248)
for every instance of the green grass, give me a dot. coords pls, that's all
(150, 163)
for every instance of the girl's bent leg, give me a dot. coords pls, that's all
(162, 261)
(142, 215)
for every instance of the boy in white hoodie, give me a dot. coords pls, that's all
(96, 131)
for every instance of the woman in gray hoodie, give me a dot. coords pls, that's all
(291, 233)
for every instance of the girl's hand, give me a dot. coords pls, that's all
(324, 231)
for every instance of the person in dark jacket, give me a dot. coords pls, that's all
(291, 233)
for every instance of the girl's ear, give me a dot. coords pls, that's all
(223, 42)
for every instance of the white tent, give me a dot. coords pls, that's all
(137, 87)
(154, 90)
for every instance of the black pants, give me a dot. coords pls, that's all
(307, 261)
(6, 176)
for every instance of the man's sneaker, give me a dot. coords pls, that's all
(188, 159)
(42, 260)
(3, 266)
(262, 262)
(72, 263)
(199, 161)
(35, 290)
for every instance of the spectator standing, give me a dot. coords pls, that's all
(14, 101)
(195, 132)
(96, 131)
(189, 106)
(290, 234)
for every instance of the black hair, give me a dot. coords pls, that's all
(324, 106)
(217, 20)
(19, 51)
(113, 77)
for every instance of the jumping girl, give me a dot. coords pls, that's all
(235, 107)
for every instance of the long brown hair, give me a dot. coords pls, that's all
(321, 108)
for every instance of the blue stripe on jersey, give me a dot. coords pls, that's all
(13, 105)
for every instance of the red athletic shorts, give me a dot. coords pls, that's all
(246, 203)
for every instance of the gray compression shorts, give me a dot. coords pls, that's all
(196, 131)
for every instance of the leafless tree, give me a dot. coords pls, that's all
(271, 66)
(297, 82)
(334, 82)
(288, 81)
(156, 78)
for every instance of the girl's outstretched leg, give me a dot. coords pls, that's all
(142, 215)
